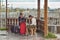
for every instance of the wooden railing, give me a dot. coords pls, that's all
(40, 25)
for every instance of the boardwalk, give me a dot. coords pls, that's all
(12, 36)
(19, 37)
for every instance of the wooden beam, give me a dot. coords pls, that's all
(0, 11)
(45, 18)
(0, 5)
(38, 11)
(6, 15)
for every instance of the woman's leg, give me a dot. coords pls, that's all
(26, 31)
(31, 31)
(34, 32)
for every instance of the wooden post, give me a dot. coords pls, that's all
(38, 14)
(0, 5)
(6, 14)
(0, 11)
(45, 18)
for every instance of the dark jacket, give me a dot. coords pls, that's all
(21, 20)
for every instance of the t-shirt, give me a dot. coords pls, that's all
(33, 21)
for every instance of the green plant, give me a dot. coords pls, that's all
(51, 35)
(3, 28)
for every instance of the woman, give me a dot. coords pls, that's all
(32, 25)
(22, 24)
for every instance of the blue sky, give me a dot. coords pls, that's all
(32, 3)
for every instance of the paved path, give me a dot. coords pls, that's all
(11, 36)
(20, 37)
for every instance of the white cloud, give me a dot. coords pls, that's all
(54, 4)
(33, 4)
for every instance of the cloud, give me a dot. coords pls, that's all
(54, 4)
(32, 4)
(54, 0)
(20, 0)
(22, 4)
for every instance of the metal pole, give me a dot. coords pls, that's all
(45, 18)
(6, 14)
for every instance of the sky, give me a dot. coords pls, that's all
(54, 0)
(20, 0)
(30, 0)
(32, 3)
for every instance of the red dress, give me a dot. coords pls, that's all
(23, 28)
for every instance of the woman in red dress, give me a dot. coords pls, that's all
(22, 24)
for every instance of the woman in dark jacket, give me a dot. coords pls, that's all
(22, 24)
